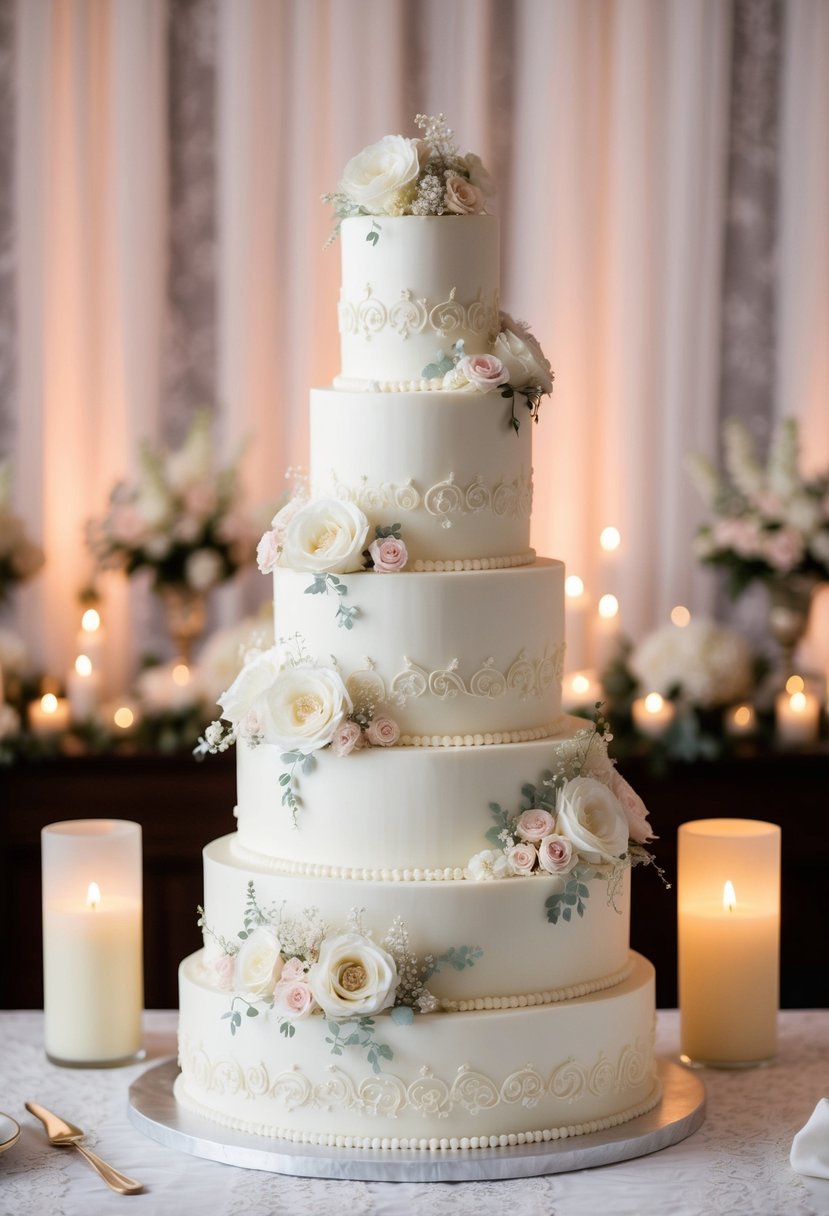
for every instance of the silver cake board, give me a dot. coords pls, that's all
(680, 1111)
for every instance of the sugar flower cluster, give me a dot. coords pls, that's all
(182, 519)
(423, 176)
(327, 536)
(767, 521)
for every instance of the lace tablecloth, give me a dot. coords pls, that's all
(737, 1162)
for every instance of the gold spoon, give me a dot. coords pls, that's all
(66, 1135)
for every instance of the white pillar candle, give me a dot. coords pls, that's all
(92, 941)
(610, 542)
(49, 715)
(652, 715)
(797, 717)
(83, 688)
(740, 720)
(580, 690)
(576, 614)
(729, 941)
(606, 632)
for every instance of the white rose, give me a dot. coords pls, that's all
(303, 708)
(590, 817)
(488, 865)
(522, 356)
(247, 690)
(374, 178)
(352, 976)
(203, 569)
(326, 536)
(259, 963)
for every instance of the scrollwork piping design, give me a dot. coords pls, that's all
(410, 314)
(444, 500)
(528, 677)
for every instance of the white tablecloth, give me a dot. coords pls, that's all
(737, 1162)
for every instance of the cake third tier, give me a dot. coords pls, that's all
(450, 656)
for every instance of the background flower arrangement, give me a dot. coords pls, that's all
(20, 557)
(181, 520)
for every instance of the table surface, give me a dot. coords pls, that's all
(737, 1162)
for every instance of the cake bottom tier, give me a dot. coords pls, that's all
(448, 1081)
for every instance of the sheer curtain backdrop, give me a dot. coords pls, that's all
(606, 123)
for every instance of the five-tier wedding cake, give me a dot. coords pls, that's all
(417, 937)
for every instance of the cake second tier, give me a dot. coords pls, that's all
(448, 656)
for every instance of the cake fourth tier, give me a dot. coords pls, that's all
(452, 657)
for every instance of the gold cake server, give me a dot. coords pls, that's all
(66, 1135)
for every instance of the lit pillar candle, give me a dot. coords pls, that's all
(797, 716)
(91, 638)
(606, 631)
(580, 690)
(576, 609)
(49, 715)
(652, 715)
(740, 720)
(83, 688)
(610, 542)
(729, 941)
(92, 941)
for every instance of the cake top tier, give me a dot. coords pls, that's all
(419, 302)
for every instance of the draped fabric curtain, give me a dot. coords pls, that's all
(607, 127)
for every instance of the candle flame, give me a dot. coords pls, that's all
(123, 717)
(742, 715)
(653, 702)
(91, 620)
(573, 586)
(729, 899)
(795, 684)
(608, 607)
(610, 539)
(680, 616)
(49, 703)
(580, 683)
(93, 895)
(83, 665)
(181, 674)
(797, 702)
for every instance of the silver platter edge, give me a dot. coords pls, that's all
(154, 1111)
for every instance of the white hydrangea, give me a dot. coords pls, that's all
(710, 663)
(488, 865)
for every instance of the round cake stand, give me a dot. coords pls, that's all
(155, 1112)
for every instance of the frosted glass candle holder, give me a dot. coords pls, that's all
(93, 993)
(728, 880)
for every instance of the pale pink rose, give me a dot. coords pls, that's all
(294, 969)
(483, 372)
(522, 858)
(534, 825)
(382, 731)
(347, 737)
(634, 809)
(250, 726)
(200, 501)
(267, 552)
(293, 999)
(462, 198)
(283, 517)
(225, 970)
(388, 554)
(555, 855)
(783, 549)
(741, 535)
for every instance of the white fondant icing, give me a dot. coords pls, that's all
(448, 467)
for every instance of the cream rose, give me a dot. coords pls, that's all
(258, 963)
(555, 855)
(285, 514)
(534, 825)
(326, 536)
(382, 731)
(633, 809)
(247, 690)
(484, 372)
(375, 177)
(303, 708)
(522, 858)
(462, 198)
(522, 356)
(352, 976)
(590, 817)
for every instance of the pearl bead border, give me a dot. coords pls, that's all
(487, 739)
(434, 1143)
(453, 565)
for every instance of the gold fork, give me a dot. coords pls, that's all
(65, 1135)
